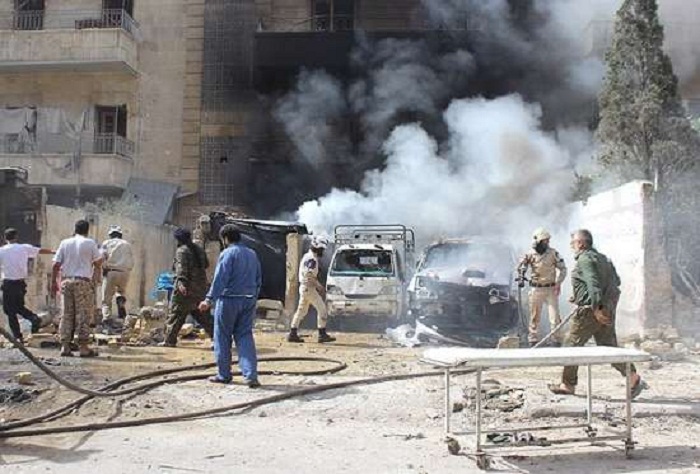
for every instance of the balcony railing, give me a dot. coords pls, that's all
(335, 23)
(112, 144)
(97, 144)
(69, 19)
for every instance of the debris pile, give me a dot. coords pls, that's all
(147, 327)
(665, 343)
(16, 394)
(495, 396)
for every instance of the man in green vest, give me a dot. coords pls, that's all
(596, 292)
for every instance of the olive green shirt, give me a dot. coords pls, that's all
(595, 280)
(187, 270)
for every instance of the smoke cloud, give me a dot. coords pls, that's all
(478, 131)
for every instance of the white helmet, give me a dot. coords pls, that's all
(319, 242)
(115, 229)
(541, 234)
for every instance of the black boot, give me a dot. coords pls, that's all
(324, 337)
(36, 324)
(294, 336)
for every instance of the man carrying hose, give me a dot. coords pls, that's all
(596, 292)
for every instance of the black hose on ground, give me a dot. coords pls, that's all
(9, 430)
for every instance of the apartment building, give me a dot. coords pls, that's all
(92, 94)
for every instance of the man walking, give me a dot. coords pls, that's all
(118, 263)
(14, 260)
(548, 272)
(310, 290)
(234, 294)
(596, 292)
(190, 268)
(79, 261)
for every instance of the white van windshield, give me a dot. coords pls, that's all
(363, 262)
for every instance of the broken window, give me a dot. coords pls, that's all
(110, 129)
(333, 15)
(29, 14)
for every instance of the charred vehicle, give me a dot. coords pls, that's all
(464, 292)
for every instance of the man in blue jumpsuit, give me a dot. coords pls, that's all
(234, 292)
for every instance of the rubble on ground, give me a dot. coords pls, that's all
(663, 342)
(147, 327)
(12, 393)
(496, 396)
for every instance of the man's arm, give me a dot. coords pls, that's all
(522, 269)
(55, 270)
(220, 278)
(561, 266)
(589, 275)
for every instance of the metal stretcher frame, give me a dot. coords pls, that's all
(481, 359)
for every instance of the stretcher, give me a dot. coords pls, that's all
(451, 358)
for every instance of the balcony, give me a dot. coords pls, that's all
(104, 160)
(69, 41)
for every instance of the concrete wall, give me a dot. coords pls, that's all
(625, 229)
(153, 246)
(57, 170)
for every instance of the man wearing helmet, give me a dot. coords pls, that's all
(118, 263)
(310, 290)
(545, 283)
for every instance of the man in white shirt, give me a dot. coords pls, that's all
(118, 263)
(14, 260)
(79, 261)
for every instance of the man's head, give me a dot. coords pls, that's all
(581, 240)
(541, 240)
(11, 234)
(82, 227)
(229, 234)
(318, 245)
(115, 232)
(182, 235)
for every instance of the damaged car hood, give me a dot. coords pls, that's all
(467, 276)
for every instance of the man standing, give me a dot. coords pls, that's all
(310, 290)
(234, 292)
(545, 284)
(79, 262)
(596, 293)
(118, 263)
(14, 259)
(190, 268)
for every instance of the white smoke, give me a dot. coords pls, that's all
(499, 173)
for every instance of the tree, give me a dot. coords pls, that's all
(643, 128)
(644, 134)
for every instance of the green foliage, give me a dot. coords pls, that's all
(643, 130)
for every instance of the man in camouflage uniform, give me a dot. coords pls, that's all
(596, 292)
(548, 272)
(79, 261)
(191, 286)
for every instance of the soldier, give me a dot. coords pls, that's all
(79, 261)
(190, 267)
(310, 290)
(545, 284)
(596, 292)
(119, 261)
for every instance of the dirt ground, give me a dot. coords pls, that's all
(393, 427)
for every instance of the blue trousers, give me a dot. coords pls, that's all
(233, 320)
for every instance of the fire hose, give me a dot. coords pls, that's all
(9, 430)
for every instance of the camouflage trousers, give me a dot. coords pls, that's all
(78, 310)
(583, 327)
(180, 307)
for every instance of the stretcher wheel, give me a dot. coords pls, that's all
(483, 461)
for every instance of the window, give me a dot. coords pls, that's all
(363, 262)
(110, 128)
(29, 14)
(126, 5)
(333, 15)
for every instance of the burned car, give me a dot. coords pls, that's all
(463, 292)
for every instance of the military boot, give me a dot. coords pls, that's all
(323, 336)
(294, 336)
(66, 350)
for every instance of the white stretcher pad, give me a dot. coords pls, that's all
(540, 357)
